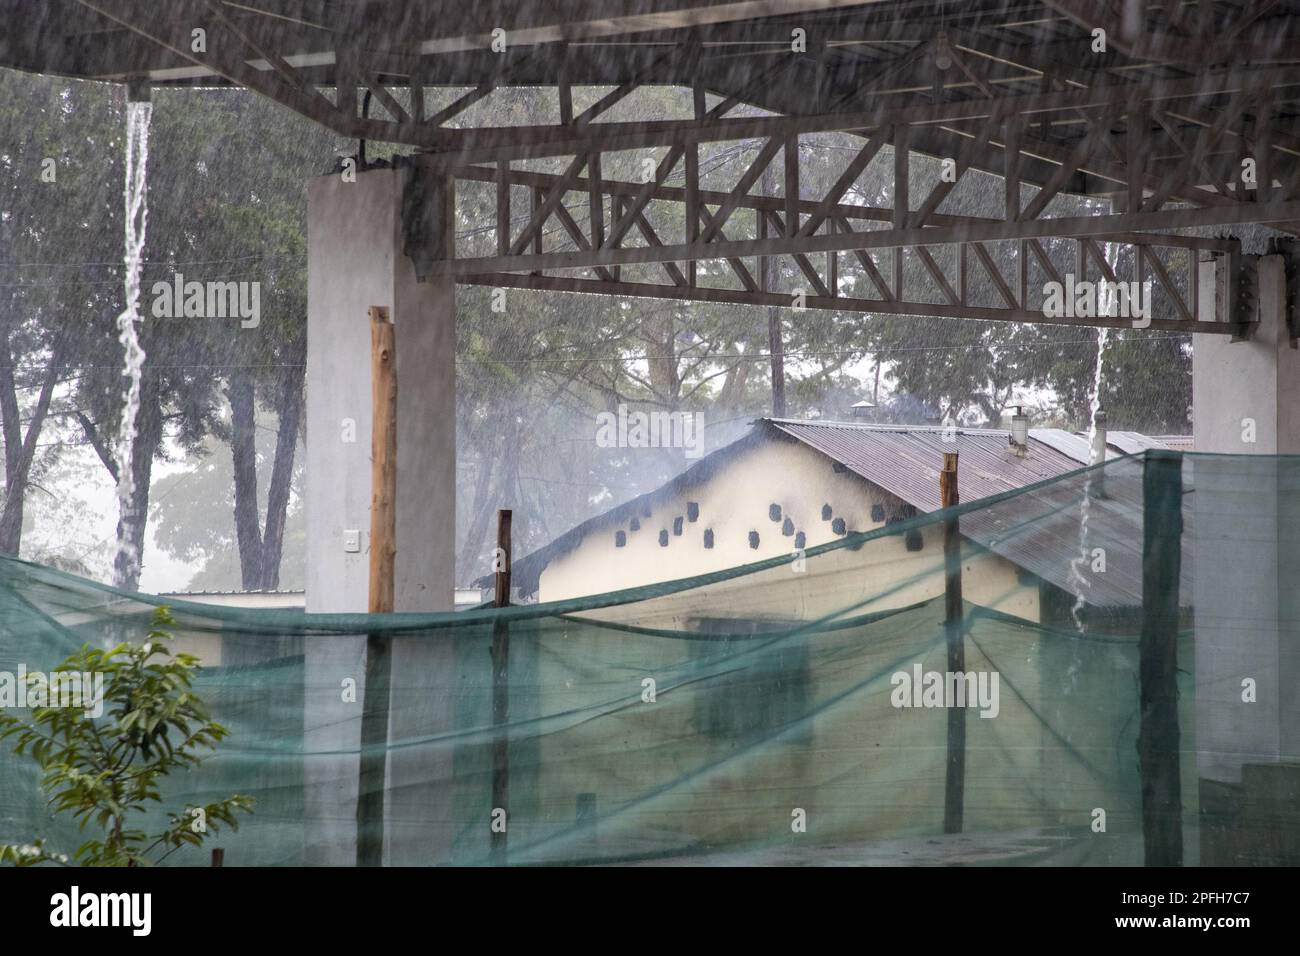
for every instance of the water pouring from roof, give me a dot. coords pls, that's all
(126, 562)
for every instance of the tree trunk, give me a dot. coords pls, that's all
(478, 525)
(243, 450)
(776, 346)
(11, 427)
(132, 522)
(11, 518)
(277, 498)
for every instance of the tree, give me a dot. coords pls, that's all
(108, 771)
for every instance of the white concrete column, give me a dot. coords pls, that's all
(1245, 530)
(355, 260)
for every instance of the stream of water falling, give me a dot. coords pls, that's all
(1077, 577)
(126, 561)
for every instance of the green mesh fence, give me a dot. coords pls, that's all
(767, 714)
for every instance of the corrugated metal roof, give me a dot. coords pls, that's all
(1118, 443)
(906, 459)
(1132, 443)
(1038, 530)
(1068, 443)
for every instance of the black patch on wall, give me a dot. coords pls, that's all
(913, 540)
(826, 512)
(787, 527)
(877, 512)
(800, 540)
(692, 510)
(663, 538)
(774, 512)
(635, 524)
(677, 525)
(708, 537)
(838, 526)
(620, 538)
(753, 539)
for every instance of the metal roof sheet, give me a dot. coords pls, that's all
(906, 459)
(1038, 530)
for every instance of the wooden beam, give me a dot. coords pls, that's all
(1061, 226)
(1078, 156)
(742, 187)
(995, 274)
(790, 153)
(831, 200)
(553, 199)
(503, 208)
(804, 264)
(880, 306)
(816, 210)
(901, 201)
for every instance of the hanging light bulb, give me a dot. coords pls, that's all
(942, 53)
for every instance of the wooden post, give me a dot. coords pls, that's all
(373, 770)
(954, 792)
(1158, 733)
(383, 466)
(501, 689)
(218, 856)
(502, 562)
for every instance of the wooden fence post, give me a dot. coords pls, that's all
(501, 690)
(954, 791)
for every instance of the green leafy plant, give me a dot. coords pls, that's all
(108, 770)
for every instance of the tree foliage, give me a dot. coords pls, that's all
(107, 771)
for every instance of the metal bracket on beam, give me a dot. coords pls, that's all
(1289, 250)
(1237, 293)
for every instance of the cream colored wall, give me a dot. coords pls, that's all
(734, 502)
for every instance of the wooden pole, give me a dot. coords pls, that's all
(373, 770)
(1158, 733)
(218, 856)
(954, 792)
(383, 467)
(502, 564)
(501, 689)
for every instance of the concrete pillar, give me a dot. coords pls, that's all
(1244, 537)
(355, 260)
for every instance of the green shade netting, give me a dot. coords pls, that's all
(750, 716)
